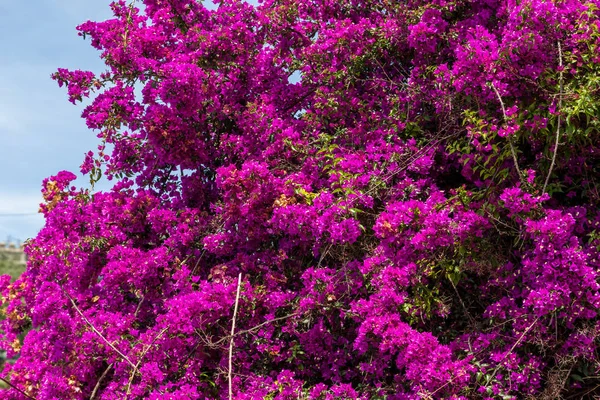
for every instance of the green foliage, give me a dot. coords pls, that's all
(9, 264)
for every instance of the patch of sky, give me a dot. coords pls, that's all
(295, 77)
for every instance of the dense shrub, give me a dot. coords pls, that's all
(408, 190)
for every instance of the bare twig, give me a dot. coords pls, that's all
(406, 163)
(510, 139)
(581, 396)
(429, 396)
(197, 262)
(17, 389)
(254, 328)
(324, 254)
(514, 346)
(97, 332)
(235, 310)
(560, 93)
(136, 368)
(95, 391)
(462, 303)
(139, 306)
(564, 382)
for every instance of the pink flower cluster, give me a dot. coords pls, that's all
(408, 190)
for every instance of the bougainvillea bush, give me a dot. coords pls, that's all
(337, 199)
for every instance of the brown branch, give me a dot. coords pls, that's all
(95, 391)
(17, 389)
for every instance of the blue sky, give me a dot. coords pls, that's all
(41, 133)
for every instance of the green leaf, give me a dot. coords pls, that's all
(576, 377)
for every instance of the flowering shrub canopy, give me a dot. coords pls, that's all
(409, 190)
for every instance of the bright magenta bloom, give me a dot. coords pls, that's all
(409, 190)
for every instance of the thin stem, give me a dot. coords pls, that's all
(123, 356)
(137, 365)
(560, 92)
(254, 328)
(510, 139)
(564, 382)
(514, 346)
(93, 395)
(405, 164)
(17, 389)
(430, 395)
(462, 303)
(235, 310)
